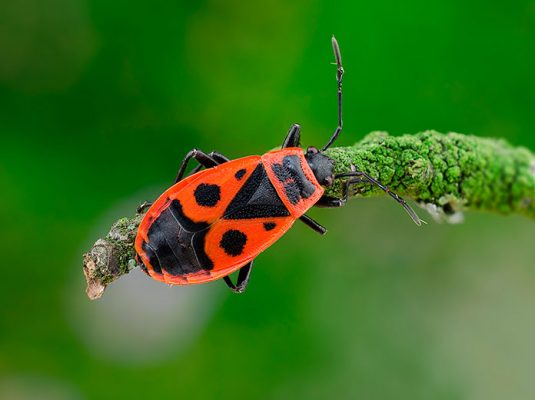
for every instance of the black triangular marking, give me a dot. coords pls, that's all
(256, 199)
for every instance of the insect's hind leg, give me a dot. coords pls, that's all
(205, 160)
(243, 279)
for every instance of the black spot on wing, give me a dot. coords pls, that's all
(207, 195)
(256, 199)
(268, 226)
(233, 242)
(238, 175)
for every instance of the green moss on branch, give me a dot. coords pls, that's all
(451, 172)
(447, 173)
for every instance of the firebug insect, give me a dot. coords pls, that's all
(216, 221)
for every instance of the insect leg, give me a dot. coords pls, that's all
(293, 137)
(339, 76)
(329, 202)
(313, 224)
(204, 159)
(363, 176)
(334, 202)
(359, 177)
(243, 279)
(220, 158)
(144, 207)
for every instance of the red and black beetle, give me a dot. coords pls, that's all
(216, 221)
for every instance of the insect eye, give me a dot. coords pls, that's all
(312, 150)
(328, 181)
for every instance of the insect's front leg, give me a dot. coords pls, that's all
(334, 202)
(360, 177)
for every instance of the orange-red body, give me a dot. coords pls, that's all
(220, 216)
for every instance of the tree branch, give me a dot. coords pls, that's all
(445, 174)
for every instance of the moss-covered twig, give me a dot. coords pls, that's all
(451, 172)
(446, 174)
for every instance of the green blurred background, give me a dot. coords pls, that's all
(100, 100)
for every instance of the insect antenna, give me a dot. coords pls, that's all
(339, 76)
